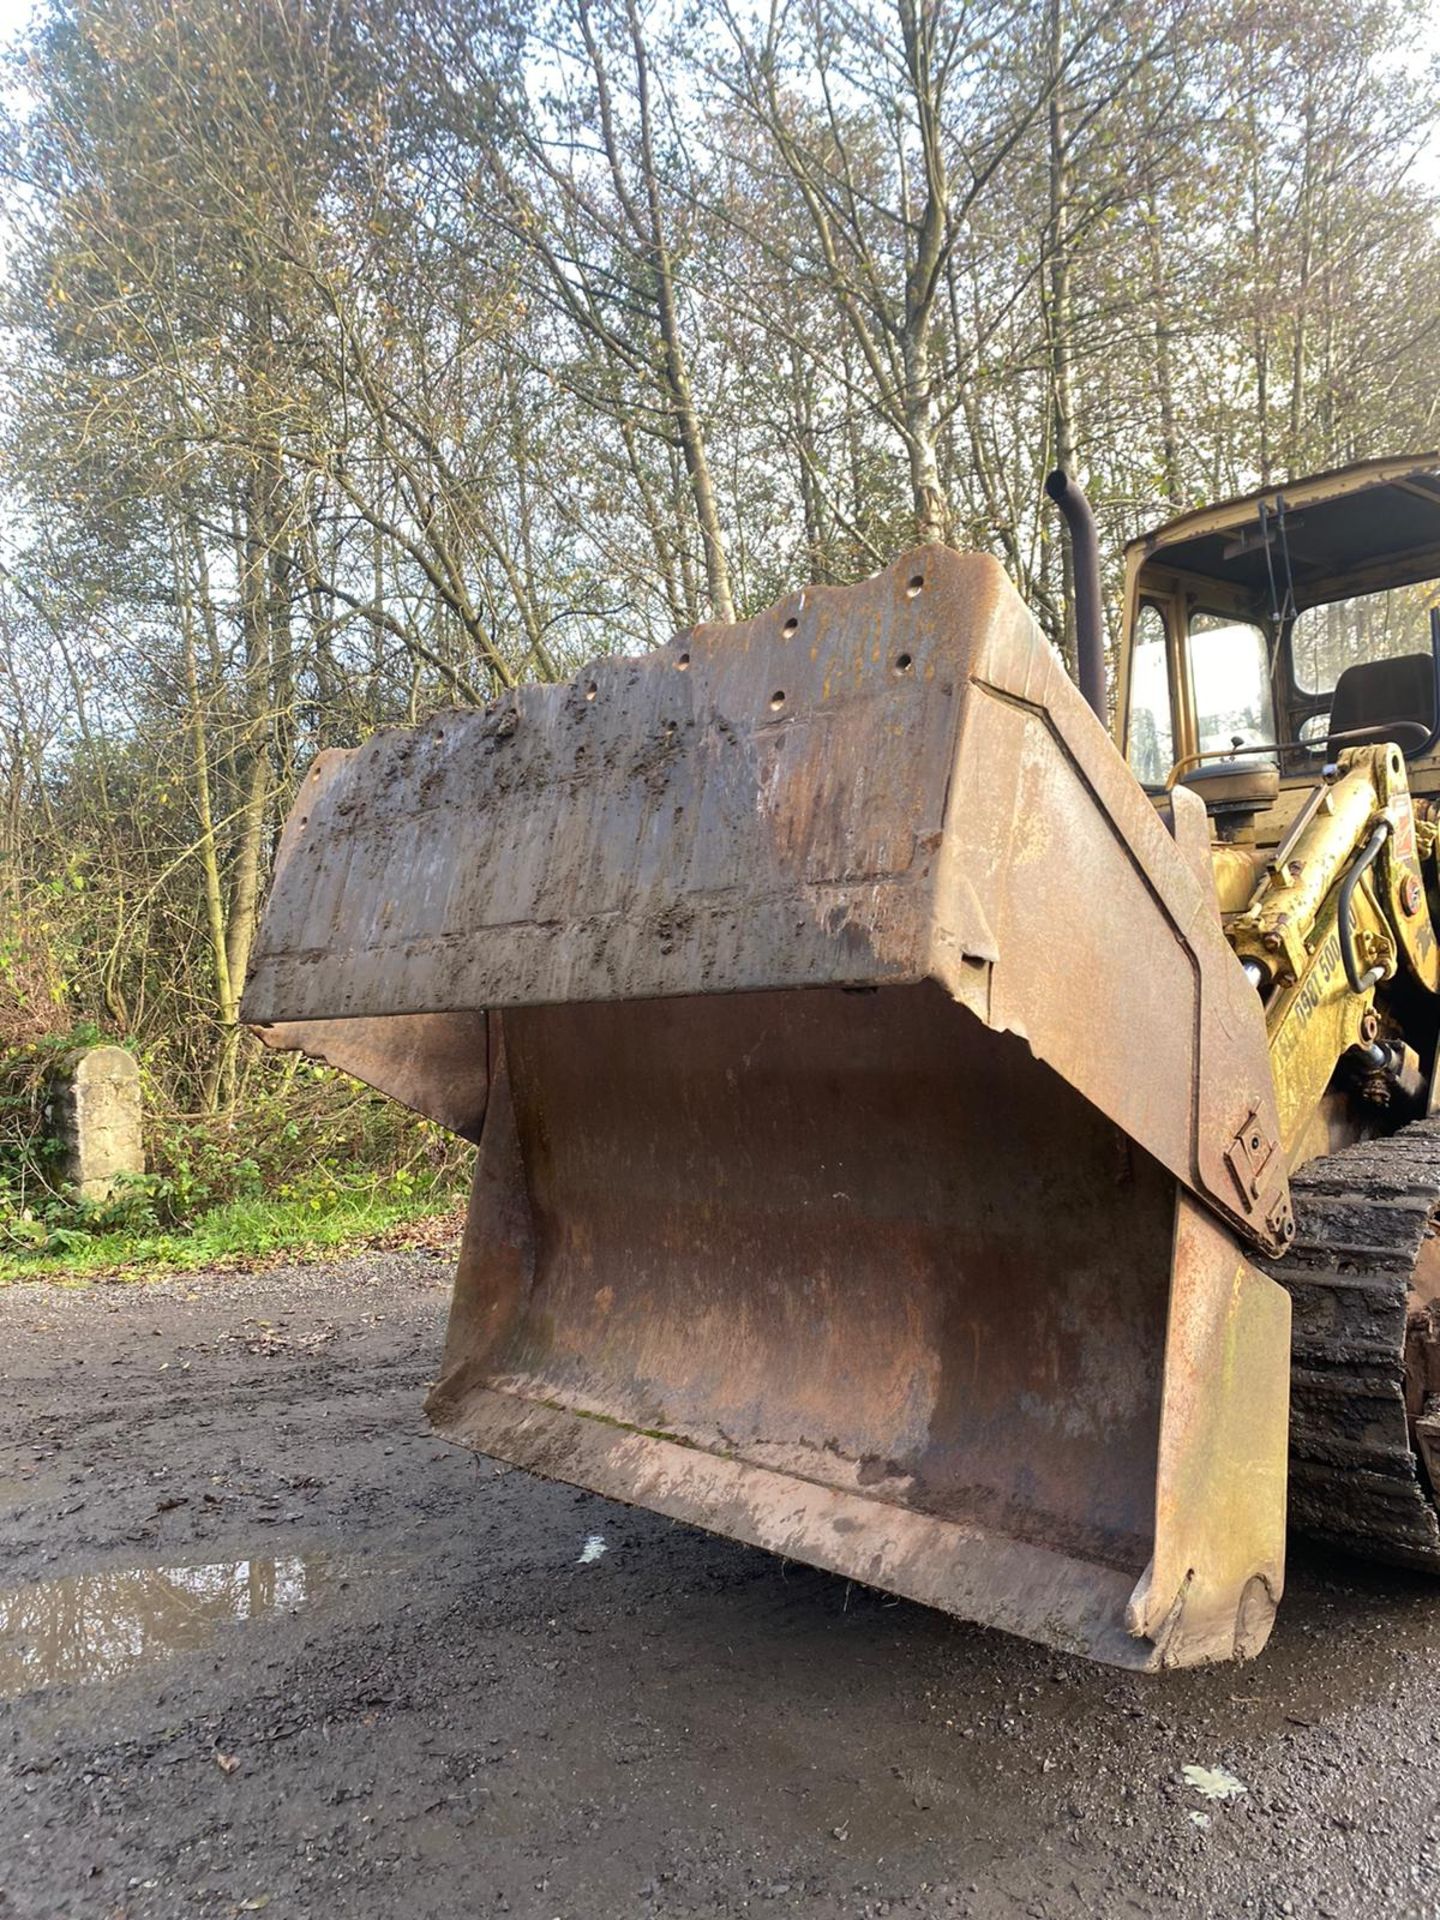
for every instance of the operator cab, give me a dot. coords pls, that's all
(1266, 636)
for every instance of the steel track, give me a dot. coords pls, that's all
(1362, 1218)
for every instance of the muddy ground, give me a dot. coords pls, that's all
(268, 1646)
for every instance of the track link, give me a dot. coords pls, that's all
(1363, 1217)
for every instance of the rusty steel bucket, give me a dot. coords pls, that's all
(871, 1114)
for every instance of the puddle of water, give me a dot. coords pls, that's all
(93, 1626)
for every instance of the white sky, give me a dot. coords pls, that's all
(14, 14)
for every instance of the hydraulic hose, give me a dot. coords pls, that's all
(1359, 982)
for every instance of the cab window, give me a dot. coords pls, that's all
(1373, 626)
(1151, 741)
(1396, 623)
(1230, 673)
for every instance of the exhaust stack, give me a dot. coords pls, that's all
(1089, 615)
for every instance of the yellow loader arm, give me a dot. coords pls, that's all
(1339, 911)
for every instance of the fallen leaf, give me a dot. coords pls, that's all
(255, 1903)
(1214, 1782)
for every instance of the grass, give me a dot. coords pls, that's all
(240, 1233)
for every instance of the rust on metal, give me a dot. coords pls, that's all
(873, 1111)
(1221, 1481)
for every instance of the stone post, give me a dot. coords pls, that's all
(98, 1108)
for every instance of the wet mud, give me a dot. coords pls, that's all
(267, 1645)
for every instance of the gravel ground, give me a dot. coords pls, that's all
(267, 1646)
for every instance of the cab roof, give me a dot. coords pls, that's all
(1360, 528)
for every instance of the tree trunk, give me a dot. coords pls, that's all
(932, 510)
(1058, 318)
(677, 371)
(253, 757)
(1164, 366)
(208, 849)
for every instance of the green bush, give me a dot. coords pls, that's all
(31, 1149)
(305, 1142)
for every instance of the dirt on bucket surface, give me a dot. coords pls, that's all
(267, 1645)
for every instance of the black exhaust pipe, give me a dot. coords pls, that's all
(1089, 615)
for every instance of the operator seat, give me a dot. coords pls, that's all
(1379, 700)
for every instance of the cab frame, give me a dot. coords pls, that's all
(1359, 529)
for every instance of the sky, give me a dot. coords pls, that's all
(15, 13)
